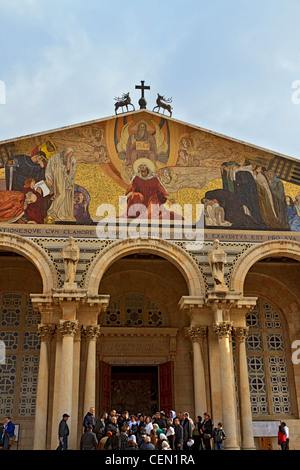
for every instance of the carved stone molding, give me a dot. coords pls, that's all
(67, 327)
(223, 329)
(144, 342)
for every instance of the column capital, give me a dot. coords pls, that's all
(195, 332)
(223, 329)
(240, 333)
(91, 331)
(46, 331)
(68, 327)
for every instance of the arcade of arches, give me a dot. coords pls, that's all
(145, 316)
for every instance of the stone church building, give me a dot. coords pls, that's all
(93, 317)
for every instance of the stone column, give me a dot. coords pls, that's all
(91, 332)
(41, 414)
(223, 331)
(240, 335)
(68, 329)
(196, 334)
(75, 395)
(56, 390)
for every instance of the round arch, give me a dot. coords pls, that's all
(167, 250)
(290, 249)
(25, 247)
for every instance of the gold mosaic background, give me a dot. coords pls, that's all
(100, 151)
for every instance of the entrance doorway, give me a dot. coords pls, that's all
(136, 389)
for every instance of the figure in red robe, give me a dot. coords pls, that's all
(146, 196)
(37, 211)
(14, 204)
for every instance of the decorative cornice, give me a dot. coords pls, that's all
(137, 331)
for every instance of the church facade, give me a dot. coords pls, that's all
(147, 264)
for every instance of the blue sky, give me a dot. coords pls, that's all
(229, 65)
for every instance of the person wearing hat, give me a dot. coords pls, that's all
(63, 433)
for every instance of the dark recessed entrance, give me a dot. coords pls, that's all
(135, 389)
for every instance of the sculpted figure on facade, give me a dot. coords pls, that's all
(70, 255)
(217, 259)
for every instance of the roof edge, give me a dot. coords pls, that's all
(96, 121)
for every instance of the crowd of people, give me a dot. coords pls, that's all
(173, 431)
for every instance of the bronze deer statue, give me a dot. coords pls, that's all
(125, 100)
(162, 102)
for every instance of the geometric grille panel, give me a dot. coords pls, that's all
(28, 385)
(32, 317)
(271, 317)
(18, 332)
(154, 314)
(134, 310)
(7, 385)
(268, 374)
(11, 309)
(279, 385)
(257, 384)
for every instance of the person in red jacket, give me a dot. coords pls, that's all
(282, 437)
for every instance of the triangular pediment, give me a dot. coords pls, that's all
(193, 164)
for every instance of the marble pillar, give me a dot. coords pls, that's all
(67, 330)
(196, 334)
(223, 331)
(91, 333)
(45, 333)
(247, 439)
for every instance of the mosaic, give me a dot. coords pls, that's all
(64, 176)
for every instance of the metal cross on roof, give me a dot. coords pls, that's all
(142, 100)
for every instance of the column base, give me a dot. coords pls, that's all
(232, 448)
